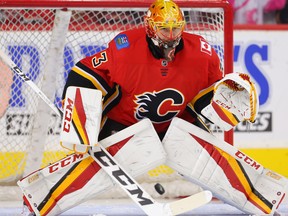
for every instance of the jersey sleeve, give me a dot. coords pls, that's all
(204, 97)
(95, 72)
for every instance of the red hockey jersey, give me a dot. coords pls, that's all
(146, 87)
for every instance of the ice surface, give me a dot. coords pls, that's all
(123, 207)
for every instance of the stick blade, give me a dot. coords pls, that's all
(190, 203)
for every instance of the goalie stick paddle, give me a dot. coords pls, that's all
(131, 187)
(140, 196)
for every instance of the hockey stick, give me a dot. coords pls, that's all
(26, 79)
(140, 196)
(115, 171)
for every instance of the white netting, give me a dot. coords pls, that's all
(29, 130)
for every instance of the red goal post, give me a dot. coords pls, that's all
(46, 38)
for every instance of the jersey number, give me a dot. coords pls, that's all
(96, 61)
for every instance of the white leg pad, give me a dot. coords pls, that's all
(56, 188)
(64, 184)
(229, 180)
(142, 152)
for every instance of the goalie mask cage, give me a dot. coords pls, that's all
(45, 39)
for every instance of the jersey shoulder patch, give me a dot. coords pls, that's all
(121, 41)
(205, 47)
(198, 41)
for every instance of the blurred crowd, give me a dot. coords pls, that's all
(80, 17)
(260, 11)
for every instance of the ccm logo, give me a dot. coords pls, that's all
(65, 162)
(223, 104)
(68, 115)
(247, 160)
(128, 183)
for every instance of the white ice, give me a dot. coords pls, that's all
(124, 207)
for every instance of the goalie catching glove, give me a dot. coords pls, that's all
(235, 100)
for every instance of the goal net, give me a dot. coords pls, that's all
(45, 39)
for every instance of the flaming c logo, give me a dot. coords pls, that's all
(159, 106)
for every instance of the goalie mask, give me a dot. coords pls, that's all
(164, 24)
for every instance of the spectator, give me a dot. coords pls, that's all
(6, 81)
(256, 11)
(282, 15)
